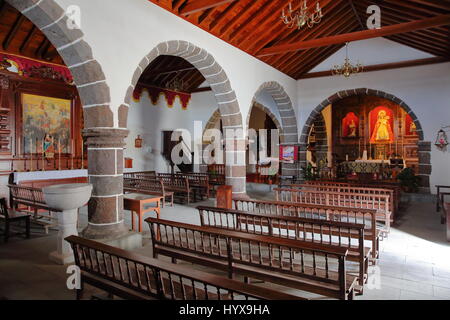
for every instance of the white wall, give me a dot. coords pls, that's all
(121, 33)
(425, 89)
(266, 99)
(150, 120)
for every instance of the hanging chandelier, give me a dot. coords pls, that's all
(176, 84)
(347, 68)
(302, 17)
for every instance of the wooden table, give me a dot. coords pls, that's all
(140, 204)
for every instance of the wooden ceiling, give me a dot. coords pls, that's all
(256, 28)
(18, 35)
(164, 70)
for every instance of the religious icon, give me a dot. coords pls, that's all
(48, 146)
(381, 121)
(350, 126)
(410, 126)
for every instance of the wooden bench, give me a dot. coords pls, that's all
(141, 175)
(9, 216)
(365, 217)
(445, 218)
(178, 185)
(31, 200)
(394, 190)
(297, 264)
(148, 186)
(199, 182)
(353, 189)
(377, 202)
(439, 198)
(340, 234)
(131, 276)
(216, 173)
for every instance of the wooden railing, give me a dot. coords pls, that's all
(132, 276)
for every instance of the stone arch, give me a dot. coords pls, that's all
(269, 113)
(220, 84)
(424, 146)
(105, 141)
(289, 134)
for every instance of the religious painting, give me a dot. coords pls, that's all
(46, 124)
(350, 126)
(288, 154)
(410, 126)
(381, 125)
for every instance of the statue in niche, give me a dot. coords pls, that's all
(382, 132)
(350, 126)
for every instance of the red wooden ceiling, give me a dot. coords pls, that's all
(256, 25)
(18, 35)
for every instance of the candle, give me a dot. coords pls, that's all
(43, 155)
(82, 153)
(72, 149)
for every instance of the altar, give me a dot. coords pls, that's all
(366, 166)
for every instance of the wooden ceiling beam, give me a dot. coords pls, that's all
(438, 4)
(204, 89)
(380, 67)
(201, 5)
(236, 18)
(360, 35)
(12, 33)
(28, 39)
(317, 60)
(222, 16)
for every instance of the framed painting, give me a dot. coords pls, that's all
(46, 124)
(350, 126)
(410, 126)
(288, 154)
(381, 125)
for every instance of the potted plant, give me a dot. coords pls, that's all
(408, 180)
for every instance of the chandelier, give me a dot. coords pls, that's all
(347, 68)
(176, 84)
(302, 17)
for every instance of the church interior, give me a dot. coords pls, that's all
(224, 150)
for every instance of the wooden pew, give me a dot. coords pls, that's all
(301, 265)
(199, 182)
(352, 189)
(131, 276)
(394, 188)
(331, 233)
(377, 202)
(216, 173)
(140, 175)
(439, 198)
(365, 217)
(178, 185)
(148, 186)
(31, 200)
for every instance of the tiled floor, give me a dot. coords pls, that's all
(414, 261)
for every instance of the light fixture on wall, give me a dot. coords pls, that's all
(347, 69)
(302, 17)
(138, 142)
(441, 139)
(176, 84)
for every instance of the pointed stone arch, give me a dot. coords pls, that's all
(424, 146)
(225, 96)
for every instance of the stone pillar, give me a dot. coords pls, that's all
(105, 155)
(235, 164)
(424, 166)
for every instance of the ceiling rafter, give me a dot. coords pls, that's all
(201, 5)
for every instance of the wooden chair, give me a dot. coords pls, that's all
(8, 216)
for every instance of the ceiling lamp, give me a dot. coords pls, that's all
(176, 84)
(302, 17)
(347, 68)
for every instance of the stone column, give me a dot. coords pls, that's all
(235, 166)
(105, 156)
(424, 166)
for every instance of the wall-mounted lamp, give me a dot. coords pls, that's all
(441, 140)
(138, 142)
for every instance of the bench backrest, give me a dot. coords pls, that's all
(40, 184)
(366, 217)
(319, 231)
(378, 202)
(174, 181)
(196, 179)
(143, 185)
(159, 279)
(268, 254)
(141, 175)
(350, 189)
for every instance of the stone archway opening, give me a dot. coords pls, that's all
(423, 147)
(105, 141)
(288, 123)
(216, 77)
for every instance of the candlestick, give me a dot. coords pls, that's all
(59, 149)
(43, 155)
(71, 154)
(82, 153)
(31, 154)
